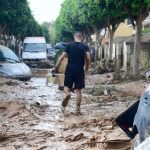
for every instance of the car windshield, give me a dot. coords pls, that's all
(6, 55)
(34, 47)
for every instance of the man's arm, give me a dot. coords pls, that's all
(87, 61)
(60, 59)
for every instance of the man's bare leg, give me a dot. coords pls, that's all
(79, 99)
(66, 99)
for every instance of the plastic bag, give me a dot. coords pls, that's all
(142, 117)
(145, 145)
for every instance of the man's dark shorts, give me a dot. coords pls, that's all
(74, 77)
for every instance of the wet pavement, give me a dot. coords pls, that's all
(32, 119)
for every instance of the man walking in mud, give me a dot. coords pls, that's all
(78, 64)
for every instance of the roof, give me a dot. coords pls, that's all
(144, 39)
(147, 20)
(34, 40)
(120, 39)
(130, 39)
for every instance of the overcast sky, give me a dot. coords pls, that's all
(45, 10)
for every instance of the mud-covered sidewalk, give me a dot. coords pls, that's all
(31, 118)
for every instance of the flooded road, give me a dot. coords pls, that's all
(31, 116)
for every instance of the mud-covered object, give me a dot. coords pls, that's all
(142, 117)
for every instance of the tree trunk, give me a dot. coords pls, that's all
(97, 42)
(137, 48)
(143, 13)
(0, 32)
(17, 46)
(2, 28)
(111, 37)
(88, 37)
(88, 40)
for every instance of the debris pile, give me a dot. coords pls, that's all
(97, 133)
(101, 90)
(101, 67)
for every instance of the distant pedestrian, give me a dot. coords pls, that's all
(78, 63)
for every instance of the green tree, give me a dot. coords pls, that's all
(112, 15)
(16, 19)
(45, 28)
(52, 33)
(137, 11)
(90, 15)
(64, 22)
(68, 21)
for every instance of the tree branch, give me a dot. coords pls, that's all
(130, 15)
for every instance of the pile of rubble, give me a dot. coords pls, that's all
(102, 66)
(99, 133)
(101, 90)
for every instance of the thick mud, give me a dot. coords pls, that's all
(31, 117)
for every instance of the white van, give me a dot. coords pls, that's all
(34, 51)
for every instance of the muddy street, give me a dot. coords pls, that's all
(32, 119)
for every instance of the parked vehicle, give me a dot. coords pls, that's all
(11, 66)
(59, 48)
(34, 51)
(50, 52)
(60, 45)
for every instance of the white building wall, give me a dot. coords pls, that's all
(114, 51)
(125, 55)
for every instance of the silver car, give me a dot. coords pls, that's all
(11, 66)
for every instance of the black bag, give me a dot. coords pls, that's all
(125, 120)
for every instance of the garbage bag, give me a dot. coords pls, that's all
(125, 120)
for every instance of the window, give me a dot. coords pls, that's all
(7, 55)
(34, 47)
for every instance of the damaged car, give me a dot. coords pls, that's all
(11, 66)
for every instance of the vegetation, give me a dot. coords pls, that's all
(52, 33)
(45, 27)
(87, 16)
(146, 30)
(16, 20)
(91, 16)
(137, 11)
